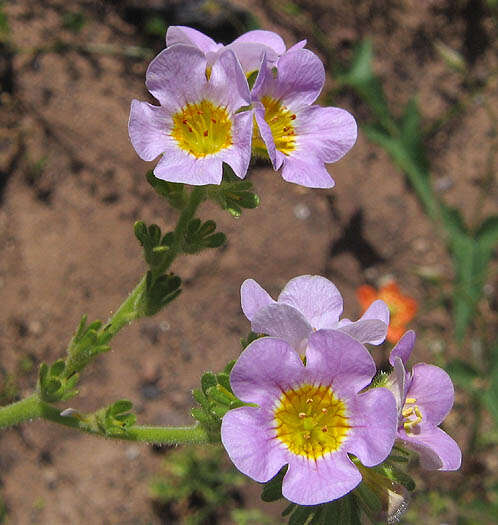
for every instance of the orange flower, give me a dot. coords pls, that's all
(401, 307)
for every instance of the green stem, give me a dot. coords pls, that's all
(196, 197)
(128, 310)
(28, 408)
(33, 408)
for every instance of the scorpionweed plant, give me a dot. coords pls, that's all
(304, 409)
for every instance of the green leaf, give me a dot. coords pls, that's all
(272, 490)
(470, 260)
(462, 373)
(490, 397)
(362, 78)
(57, 368)
(173, 192)
(487, 234)
(412, 137)
(215, 241)
(121, 406)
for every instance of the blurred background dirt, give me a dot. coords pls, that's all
(71, 187)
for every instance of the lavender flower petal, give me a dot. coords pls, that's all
(253, 297)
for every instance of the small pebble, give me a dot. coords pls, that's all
(301, 211)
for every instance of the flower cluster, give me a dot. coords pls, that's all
(315, 401)
(208, 115)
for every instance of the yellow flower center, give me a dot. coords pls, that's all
(281, 122)
(411, 414)
(202, 129)
(311, 421)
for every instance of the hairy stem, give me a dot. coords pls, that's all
(33, 408)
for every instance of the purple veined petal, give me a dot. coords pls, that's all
(265, 82)
(325, 133)
(316, 298)
(403, 348)
(375, 420)
(238, 155)
(177, 76)
(250, 54)
(433, 390)
(437, 450)
(187, 169)
(227, 82)
(336, 359)
(301, 77)
(283, 321)
(253, 298)
(297, 45)
(192, 37)
(248, 439)
(266, 135)
(147, 128)
(326, 479)
(267, 38)
(377, 310)
(370, 331)
(397, 384)
(310, 173)
(266, 368)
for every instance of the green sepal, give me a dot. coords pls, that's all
(202, 416)
(272, 490)
(224, 380)
(288, 509)
(229, 366)
(370, 502)
(215, 394)
(175, 193)
(208, 380)
(233, 194)
(251, 336)
(394, 473)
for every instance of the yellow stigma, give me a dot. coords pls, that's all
(311, 421)
(281, 122)
(411, 414)
(202, 129)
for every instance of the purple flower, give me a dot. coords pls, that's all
(309, 303)
(248, 48)
(309, 417)
(424, 398)
(298, 135)
(196, 127)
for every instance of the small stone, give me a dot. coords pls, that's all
(302, 211)
(132, 452)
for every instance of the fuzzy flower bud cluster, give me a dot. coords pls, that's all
(208, 114)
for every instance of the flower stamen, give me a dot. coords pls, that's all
(209, 128)
(311, 425)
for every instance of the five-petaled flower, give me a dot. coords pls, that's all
(308, 416)
(197, 126)
(298, 135)
(424, 398)
(401, 307)
(308, 303)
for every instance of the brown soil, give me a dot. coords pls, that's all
(72, 186)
